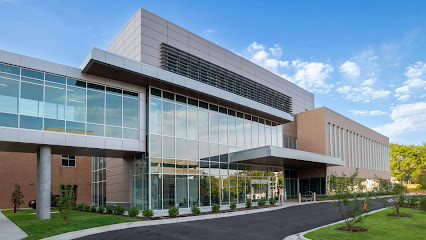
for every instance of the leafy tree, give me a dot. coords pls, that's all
(18, 195)
(65, 201)
(408, 162)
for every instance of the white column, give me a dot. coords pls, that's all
(43, 182)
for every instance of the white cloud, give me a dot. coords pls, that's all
(406, 118)
(416, 70)
(369, 82)
(209, 31)
(260, 56)
(416, 75)
(364, 94)
(276, 51)
(404, 89)
(368, 113)
(404, 97)
(255, 46)
(350, 69)
(311, 76)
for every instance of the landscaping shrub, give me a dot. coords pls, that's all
(18, 195)
(173, 212)
(133, 212)
(101, 209)
(119, 210)
(109, 209)
(148, 213)
(79, 207)
(412, 201)
(215, 208)
(65, 201)
(86, 208)
(248, 203)
(272, 201)
(233, 205)
(93, 208)
(261, 202)
(195, 210)
(422, 203)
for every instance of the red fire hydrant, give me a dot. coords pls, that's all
(14, 205)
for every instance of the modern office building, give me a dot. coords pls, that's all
(172, 118)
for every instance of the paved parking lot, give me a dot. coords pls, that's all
(268, 225)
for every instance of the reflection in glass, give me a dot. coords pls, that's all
(168, 119)
(255, 135)
(214, 152)
(156, 190)
(95, 130)
(240, 133)
(54, 105)
(169, 191)
(169, 165)
(168, 147)
(204, 151)
(192, 150)
(181, 166)
(268, 136)
(155, 146)
(155, 116)
(75, 127)
(54, 125)
(223, 130)
(261, 135)
(130, 112)
(131, 134)
(247, 134)
(34, 123)
(193, 190)
(193, 167)
(76, 104)
(156, 165)
(204, 190)
(233, 188)
(203, 122)
(192, 123)
(274, 137)
(232, 135)
(214, 128)
(214, 189)
(182, 190)
(180, 121)
(113, 132)
(241, 189)
(113, 110)
(9, 93)
(31, 97)
(8, 120)
(181, 149)
(95, 107)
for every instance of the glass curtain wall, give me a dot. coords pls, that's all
(189, 146)
(42, 101)
(98, 181)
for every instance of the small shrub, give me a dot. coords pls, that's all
(195, 210)
(79, 207)
(93, 208)
(422, 203)
(215, 208)
(412, 201)
(86, 208)
(133, 212)
(233, 205)
(65, 201)
(119, 210)
(109, 209)
(148, 213)
(173, 212)
(272, 201)
(261, 202)
(18, 195)
(101, 209)
(248, 203)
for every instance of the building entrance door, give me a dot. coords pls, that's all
(259, 189)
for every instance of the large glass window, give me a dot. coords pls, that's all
(54, 106)
(168, 119)
(113, 110)
(232, 134)
(95, 107)
(76, 104)
(155, 116)
(180, 121)
(31, 97)
(214, 128)
(203, 122)
(182, 190)
(130, 113)
(9, 93)
(223, 130)
(169, 191)
(247, 134)
(192, 123)
(193, 190)
(240, 133)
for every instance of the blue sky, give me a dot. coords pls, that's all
(363, 59)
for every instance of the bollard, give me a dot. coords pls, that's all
(300, 197)
(285, 195)
(315, 196)
(177, 206)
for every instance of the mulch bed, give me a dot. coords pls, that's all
(352, 229)
(208, 213)
(400, 215)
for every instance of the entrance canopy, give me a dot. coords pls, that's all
(283, 157)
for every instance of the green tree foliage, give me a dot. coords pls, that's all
(408, 162)
(18, 195)
(65, 201)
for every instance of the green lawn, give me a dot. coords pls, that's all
(380, 226)
(37, 229)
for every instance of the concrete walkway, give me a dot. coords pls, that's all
(9, 230)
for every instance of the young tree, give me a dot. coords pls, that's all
(350, 202)
(18, 195)
(65, 201)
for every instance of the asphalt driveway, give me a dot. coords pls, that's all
(268, 225)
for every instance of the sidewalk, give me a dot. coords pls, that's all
(9, 230)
